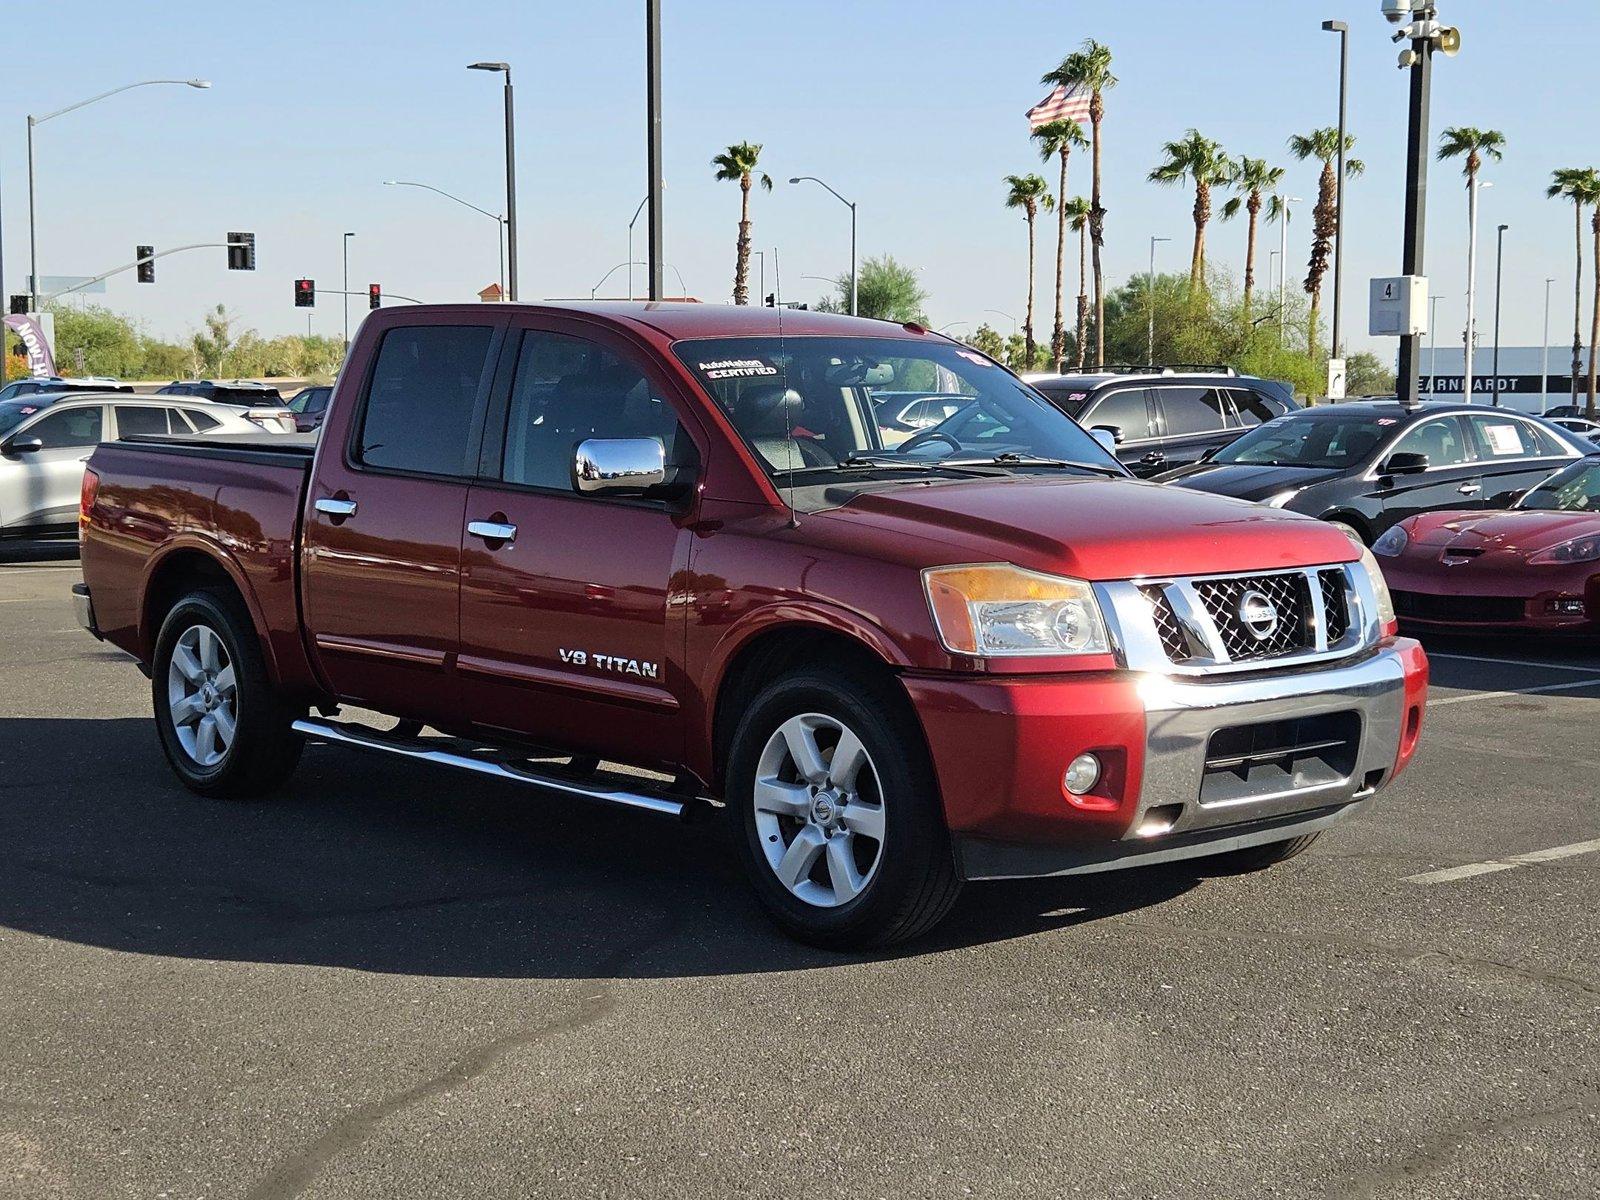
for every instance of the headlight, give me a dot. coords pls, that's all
(1393, 543)
(1281, 498)
(1379, 587)
(998, 610)
(1578, 550)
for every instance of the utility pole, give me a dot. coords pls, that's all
(652, 21)
(1421, 68)
(1499, 263)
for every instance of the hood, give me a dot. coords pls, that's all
(1097, 529)
(1517, 530)
(1246, 481)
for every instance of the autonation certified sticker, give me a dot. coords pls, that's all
(737, 368)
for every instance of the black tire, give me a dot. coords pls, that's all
(1256, 858)
(914, 882)
(264, 750)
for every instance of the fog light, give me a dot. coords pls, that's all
(1082, 774)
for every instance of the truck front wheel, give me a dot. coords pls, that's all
(1256, 858)
(223, 726)
(843, 833)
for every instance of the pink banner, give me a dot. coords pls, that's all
(40, 362)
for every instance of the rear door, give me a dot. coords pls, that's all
(1126, 413)
(381, 554)
(1193, 421)
(568, 629)
(1451, 481)
(39, 489)
(1513, 455)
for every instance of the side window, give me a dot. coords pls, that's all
(1440, 440)
(139, 421)
(1192, 410)
(567, 389)
(71, 427)
(1252, 407)
(1123, 411)
(202, 422)
(1506, 437)
(420, 404)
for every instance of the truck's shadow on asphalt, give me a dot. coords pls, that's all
(374, 865)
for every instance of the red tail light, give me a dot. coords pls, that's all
(91, 488)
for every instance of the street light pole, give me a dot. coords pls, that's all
(636, 213)
(1150, 287)
(1472, 282)
(346, 244)
(652, 70)
(499, 221)
(850, 204)
(1416, 207)
(1343, 30)
(511, 173)
(1544, 353)
(1499, 261)
(1283, 259)
(1433, 344)
(33, 245)
(1007, 316)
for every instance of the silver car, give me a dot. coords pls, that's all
(46, 439)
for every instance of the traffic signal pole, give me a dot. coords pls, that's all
(136, 263)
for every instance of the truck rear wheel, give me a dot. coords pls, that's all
(843, 833)
(223, 727)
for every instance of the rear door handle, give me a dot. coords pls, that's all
(331, 507)
(492, 531)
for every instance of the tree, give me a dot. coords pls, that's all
(1030, 193)
(1077, 214)
(109, 341)
(988, 341)
(885, 288)
(1322, 144)
(1090, 67)
(1203, 162)
(211, 346)
(1253, 180)
(738, 164)
(1365, 375)
(1056, 140)
(1581, 185)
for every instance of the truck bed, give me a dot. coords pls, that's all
(230, 447)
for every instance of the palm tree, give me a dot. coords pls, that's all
(1090, 66)
(1056, 140)
(738, 162)
(1253, 181)
(1454, 142)
(1077, 212)
(1322, 144)
(1030, 193)
(1203, 162)
(1577, 184)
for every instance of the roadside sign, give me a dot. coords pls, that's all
(1335, 379)
(1398, 306)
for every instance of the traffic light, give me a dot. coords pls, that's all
(374, 295)
(305, 293)
(147, 266)
(241, 252)
(772, 300)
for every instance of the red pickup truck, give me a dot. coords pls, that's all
(671, 556)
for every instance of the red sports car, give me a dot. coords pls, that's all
(1532, 567)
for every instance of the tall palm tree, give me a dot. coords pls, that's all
(1577, 184)
(1474, 144)
(1323, 145)
(1056, 140)
(1090, 66)
(1204, 163)
(1077, 212)
(1030, 193)
(1254, 181)
(738, 163)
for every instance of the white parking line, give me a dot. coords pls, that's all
(1592, 681)
(1513, 662)
(1510, 862)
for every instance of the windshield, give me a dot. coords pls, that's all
(15, 412)
(815, 405)
(1571, 489)
(1317, 441)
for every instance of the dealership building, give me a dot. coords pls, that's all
(1531, 378)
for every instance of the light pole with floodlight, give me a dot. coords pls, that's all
(511, 174)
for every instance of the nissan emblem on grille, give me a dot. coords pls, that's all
(1258, 615)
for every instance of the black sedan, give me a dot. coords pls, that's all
(1370, 464)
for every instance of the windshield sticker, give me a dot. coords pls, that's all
(1387, 420)
(1503, 439)
(736, 368)
(29, 410)
(975, 358)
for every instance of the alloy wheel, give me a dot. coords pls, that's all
(202, 695)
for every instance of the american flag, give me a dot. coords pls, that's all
(1069, 103)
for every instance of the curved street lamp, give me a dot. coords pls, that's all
(850, 204)
(682, 290)
(499, 221)
(33, 247)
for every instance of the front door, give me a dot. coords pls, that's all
(1451, 481)
(1125, 412)
(41, 487)
(381, 562)
(1193, 421)
(569, 632)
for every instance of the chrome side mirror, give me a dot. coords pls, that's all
(619, 465)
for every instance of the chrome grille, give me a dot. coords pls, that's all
(1335, 606)
(1167, 627)
(1287, 598)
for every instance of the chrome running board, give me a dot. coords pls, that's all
(418, 749)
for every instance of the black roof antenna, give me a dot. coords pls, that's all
(790, 450)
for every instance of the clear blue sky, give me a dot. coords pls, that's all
(915, 110)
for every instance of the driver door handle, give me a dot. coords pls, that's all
(492, 531)
(331, 507)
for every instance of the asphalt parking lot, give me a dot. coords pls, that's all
(398, 982)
